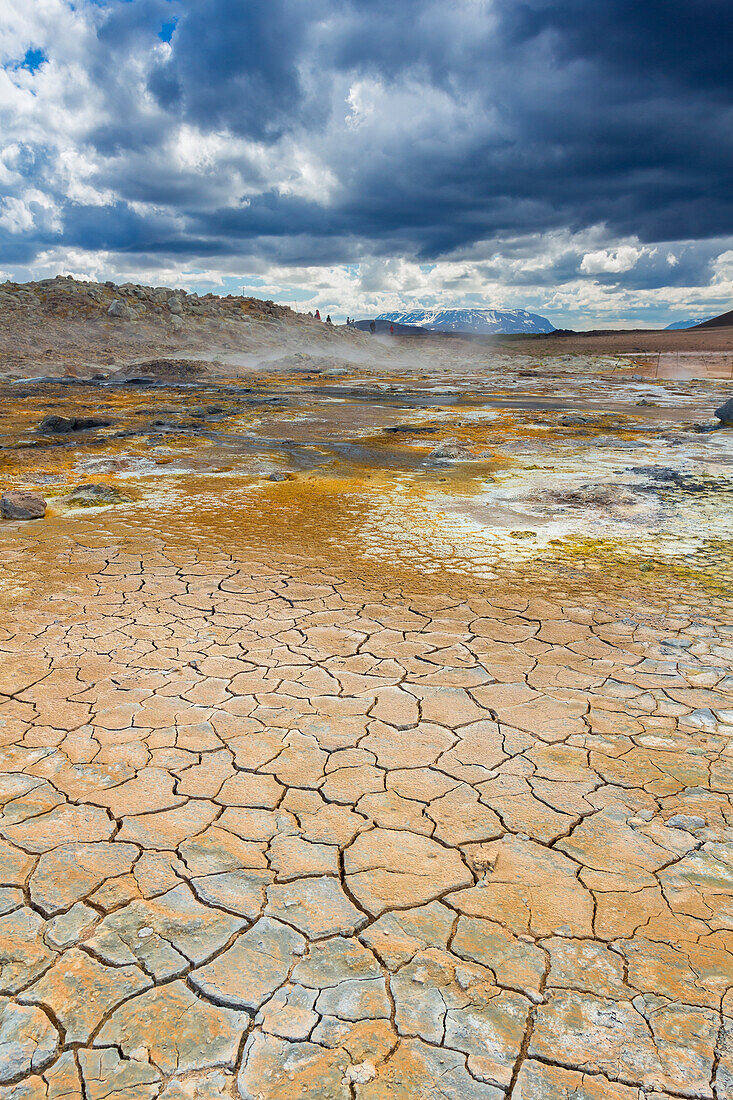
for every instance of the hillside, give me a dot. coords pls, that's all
(64, 325)
(724, 320)
(383, 326)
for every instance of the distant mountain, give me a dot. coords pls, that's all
(477, 321)
(687, 324)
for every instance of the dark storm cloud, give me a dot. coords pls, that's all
(487, 121)
(236, 64)
(609, 112)
(657, 40)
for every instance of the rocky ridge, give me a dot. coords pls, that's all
(66, 296)
(67, 325)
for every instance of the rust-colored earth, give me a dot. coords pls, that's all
(367, 732)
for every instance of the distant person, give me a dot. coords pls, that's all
(372, 327)
(391, 330)
(348, 321)
(328, 319)
(318, 315)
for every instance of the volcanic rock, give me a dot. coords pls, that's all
(725, 413)
(22, 504)
(63, 425)
(120, 310)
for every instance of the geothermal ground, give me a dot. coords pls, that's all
(366, 712)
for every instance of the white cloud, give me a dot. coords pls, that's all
(614, 260)
(18, 215)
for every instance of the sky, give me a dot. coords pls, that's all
(569, 157)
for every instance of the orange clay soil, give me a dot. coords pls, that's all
(406, 774)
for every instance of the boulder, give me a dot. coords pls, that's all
(22, 504)
(174, 305)
(119, 309)
(725, 413)
(62, 425)
(53, 425)
(176, 322)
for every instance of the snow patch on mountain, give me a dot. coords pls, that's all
(476, 321)
(687, 324)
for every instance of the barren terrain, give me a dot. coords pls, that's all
(365, 710)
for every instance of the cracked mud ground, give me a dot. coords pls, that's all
(281, 822)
